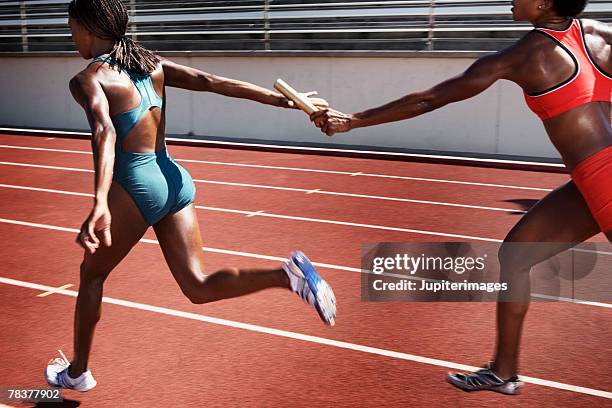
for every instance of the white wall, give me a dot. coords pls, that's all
(35, 94)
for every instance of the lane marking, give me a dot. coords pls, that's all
(44, 149)
(316, 149)
(299, 190)
(205, 249)
(307, 338)
(51, 292)
(42, 166)
(297, 218)
(262, 213)
(46, 190)
(298, 169)
(352, 224)
(353, 195)
(280, 259)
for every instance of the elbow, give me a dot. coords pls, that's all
(427, 103)
(207, 83)
(430, 101)
(103, 136)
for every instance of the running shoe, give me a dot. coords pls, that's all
(485, 379)
(306, 282)
(56, 375)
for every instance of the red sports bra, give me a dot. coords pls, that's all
(587, 84)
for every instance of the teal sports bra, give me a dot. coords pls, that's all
(125, 121)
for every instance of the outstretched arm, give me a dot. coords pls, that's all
(88, 92)
(180, 76)
(478, 77)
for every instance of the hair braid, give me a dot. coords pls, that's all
(108, 19)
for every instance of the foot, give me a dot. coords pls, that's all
(485, 379)
(306, 282)
(57, 375)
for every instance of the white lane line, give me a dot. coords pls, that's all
(353, 224)
(44, 149)
(262, 213)
(280, 259)
(300, 190)
(307, 338)
(53, 132)
(42, 166)
(348, 173)
(46, 190)
(205, 249)
(315, 149)
(570, 300)
(353, 195)
(276, 215)
(51, 292)
(298, 169)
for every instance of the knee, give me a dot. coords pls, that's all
(194, 289)
(514, 257)
(90, 277)
(194, 296)
(200, 289)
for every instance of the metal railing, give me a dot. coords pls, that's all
(285, 25)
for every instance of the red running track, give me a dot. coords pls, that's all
(269, 349)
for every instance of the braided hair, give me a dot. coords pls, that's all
(108, 19)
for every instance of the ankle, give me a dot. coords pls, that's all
(74, 371)
(505, 373)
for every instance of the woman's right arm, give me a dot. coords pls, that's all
(477, 78)
(88, 93)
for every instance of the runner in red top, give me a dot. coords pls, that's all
(565, 68)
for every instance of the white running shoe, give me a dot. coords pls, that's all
(56, 375)
(306, 282)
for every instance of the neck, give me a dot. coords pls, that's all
(552, 21)
(101, 47)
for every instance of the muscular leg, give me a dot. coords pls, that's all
(127, 227)
(179, 237)
(561, 218)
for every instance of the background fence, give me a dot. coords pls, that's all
(285, 25)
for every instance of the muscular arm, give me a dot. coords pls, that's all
(88, 93)
(478, 77)
(603, 32)
(180, 76)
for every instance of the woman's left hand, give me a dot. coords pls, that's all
(320, 103)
